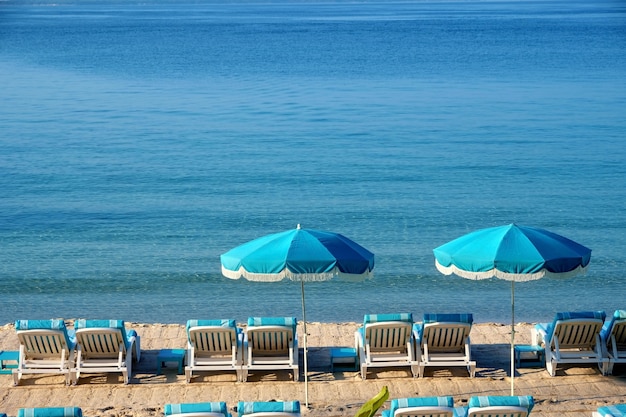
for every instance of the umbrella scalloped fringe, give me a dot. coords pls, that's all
(452, 269)
(285, 273)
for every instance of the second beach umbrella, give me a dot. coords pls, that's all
(299, 255)
(512, 253)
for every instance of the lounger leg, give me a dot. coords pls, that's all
(551, 366)
(422, 369)
(74, 377)
(17, 375)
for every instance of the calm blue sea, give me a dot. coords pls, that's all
(140, 140)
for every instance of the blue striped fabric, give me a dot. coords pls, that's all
(246, 408)
(113, 324)
(219, 322)
(274, 321)
(618, 315)
(526, 401)
(449, 318)
(617, 410)
(55, 324)
(377, 318)
(208, 407)
(419, 402)
(50, 412)
(568, 315)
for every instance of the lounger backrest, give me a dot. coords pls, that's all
(44, 338)
(101, 338)
(446, 332)
(286, 408)
(50, 412)
(387, 332)
(615, 327)
(576, 328)
(271, 335)
(115, 328)
(422, 407)
(616, 410)
(206, 408)
(502, 406)
(212, 336)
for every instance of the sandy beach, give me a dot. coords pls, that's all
(575, 391)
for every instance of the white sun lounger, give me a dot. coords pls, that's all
(384, 341)
(105, 346)
(213, 345)
(45, 348)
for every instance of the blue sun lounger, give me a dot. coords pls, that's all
(50, 412)
(423, 407)
(268, 409)
(613, 338)
(616, 410)
(509, 406)
(206, 409)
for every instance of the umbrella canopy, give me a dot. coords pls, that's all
(299, 255)
(512, 253)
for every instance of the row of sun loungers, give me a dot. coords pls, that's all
(270, 343)
(483, 406)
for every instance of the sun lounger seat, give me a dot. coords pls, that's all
(213, 345)
(269, 409)
(613, 338)
(443, 340)
(50, 412)
(572, 338)
(45, 348)
(616, 410)
(206, 409)
(105, 346)
(385, 340)
(270, 343)
(423, 407)
(500, 406)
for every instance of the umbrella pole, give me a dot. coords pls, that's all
(306, 373)
(512, 337)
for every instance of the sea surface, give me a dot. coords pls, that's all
(139, 140)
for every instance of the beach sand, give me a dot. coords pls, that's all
(575, 391)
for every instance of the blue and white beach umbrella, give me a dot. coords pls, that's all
(512, 253)
(299, 255)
